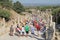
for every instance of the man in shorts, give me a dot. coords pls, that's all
(27, 29)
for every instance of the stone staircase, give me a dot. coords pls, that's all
(16, 17)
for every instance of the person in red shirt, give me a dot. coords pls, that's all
(38, 27)
(34, 22)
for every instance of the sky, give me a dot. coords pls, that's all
(39, 2)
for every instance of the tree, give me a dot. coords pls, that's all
(18, 7)
(55, 14)
(5, 14)
(6, 3)
(30, 11)
(56, 11)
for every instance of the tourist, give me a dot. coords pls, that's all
(11, 30)
(18, 30)
(38, 27)
(50, 32)
(32, 28)
(43, 31)
(23, 30)
(27, 29)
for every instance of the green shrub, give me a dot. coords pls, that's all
(5, 14)
(30, 11)
(6, 4)
(18, 7)
(56, 11)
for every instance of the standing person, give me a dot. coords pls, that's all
(32, 29)
(43, 31)
(34, 22)
(11, 30)
(27, 29)
(23, 30)
(18, 30)
(50, 31)
(38, 27)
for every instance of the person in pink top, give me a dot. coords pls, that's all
(18, 30)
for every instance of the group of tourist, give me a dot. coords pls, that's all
(29, 27)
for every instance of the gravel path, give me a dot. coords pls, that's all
(7, 37)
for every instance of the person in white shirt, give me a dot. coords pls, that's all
(23, 31)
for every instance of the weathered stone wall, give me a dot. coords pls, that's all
(4, 27)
